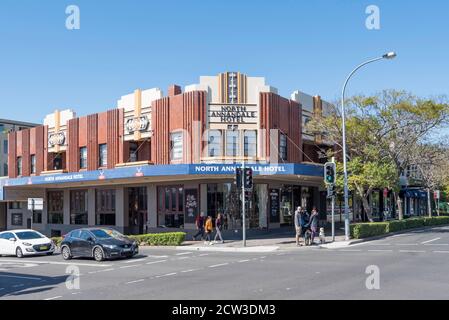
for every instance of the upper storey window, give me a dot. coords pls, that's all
(103, 152)
(283, 147)
(215, 146)
(19, 166)
(232, 143)
(176, 146)
(83, 158)
(250, 143)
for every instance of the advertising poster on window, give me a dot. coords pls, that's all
(274, 206)
(191, 205)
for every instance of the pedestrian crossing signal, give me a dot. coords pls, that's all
(330, 173)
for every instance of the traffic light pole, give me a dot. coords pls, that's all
(243, 203)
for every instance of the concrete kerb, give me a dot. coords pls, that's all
(344, 244)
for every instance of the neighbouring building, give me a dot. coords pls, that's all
(7, 126)
(157, 161)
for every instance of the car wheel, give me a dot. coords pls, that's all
(19, 253)
(66, 254)
(98, 254)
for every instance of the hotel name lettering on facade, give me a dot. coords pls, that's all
(232, 113)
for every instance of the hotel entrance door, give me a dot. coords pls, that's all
(138, 208)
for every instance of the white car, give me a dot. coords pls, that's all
(22, 243)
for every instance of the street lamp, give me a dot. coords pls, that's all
(388, 56)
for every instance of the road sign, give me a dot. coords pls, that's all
(436, 195)
(35, 204)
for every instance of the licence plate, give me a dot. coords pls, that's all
(126, 250)
(43, 248)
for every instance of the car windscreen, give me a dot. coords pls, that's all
(28, 235)
(106, 233)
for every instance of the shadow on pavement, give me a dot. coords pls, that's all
(16, 284)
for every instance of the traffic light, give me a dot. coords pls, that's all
(248, 179)
(331, 192)
(329, 173)
(238, 178)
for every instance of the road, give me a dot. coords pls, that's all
(411, 266)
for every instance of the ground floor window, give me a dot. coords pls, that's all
(56, 207)
(171, 206)
(138, 209)
(17, 219)
(78, 207)
(105, 207)
(37, 217)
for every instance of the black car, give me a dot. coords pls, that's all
(97, 243)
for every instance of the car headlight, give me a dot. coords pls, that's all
(110, 246)
(27, 244)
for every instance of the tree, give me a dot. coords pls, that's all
(382, 131)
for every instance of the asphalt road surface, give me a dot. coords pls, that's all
(407, 266)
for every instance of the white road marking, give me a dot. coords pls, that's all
(246, 260)
(219, 265)
(441, 251)
(349, 250)
(98, 265)
(411, 251)
(437, 244)
(154, 262)
(57, 297)
(380, 250)
(186, 271)
(158, 257)
(183, 253)
(136, 260)
(133, 266)
(203, 255)
(263, 257)
(433, 240)
(18, 277)
(166, 275)
(135, 281)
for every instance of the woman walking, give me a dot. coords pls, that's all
(218, 227)
(208, 228)
(313, 223)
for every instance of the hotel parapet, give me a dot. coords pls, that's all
(156, 161)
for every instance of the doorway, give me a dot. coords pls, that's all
(138, 209)
(2, 216)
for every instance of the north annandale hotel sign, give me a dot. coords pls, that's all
(233, 113)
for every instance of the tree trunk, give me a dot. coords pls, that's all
(367, 208)
(398, 205)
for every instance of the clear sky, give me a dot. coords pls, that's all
(124, 45)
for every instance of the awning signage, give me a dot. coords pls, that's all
(166, 170)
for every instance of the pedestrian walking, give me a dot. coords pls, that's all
(313, 223)
(218, 227)
(298, 228)
(208, 228)
(199, 223)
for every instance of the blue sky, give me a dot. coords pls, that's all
(123, 45)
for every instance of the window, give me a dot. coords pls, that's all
(5, 146)
(19, 166)
(33, 164)
(56, 207)
(283, 147)
(78, 207)
(103, 152)
(37, 217)
(215, 143)
(105, 213)
(57, 162)
(83, 158)
(176, 146)
(171, 206)
(232, 143)
(17, 219)
(85, 235)
(15, 205)
(250, 143)
(133, 149)
(5, 169)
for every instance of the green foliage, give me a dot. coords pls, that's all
(160, 239)
(366, 230)
(57, 240)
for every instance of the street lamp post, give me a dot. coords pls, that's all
(390, 55)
